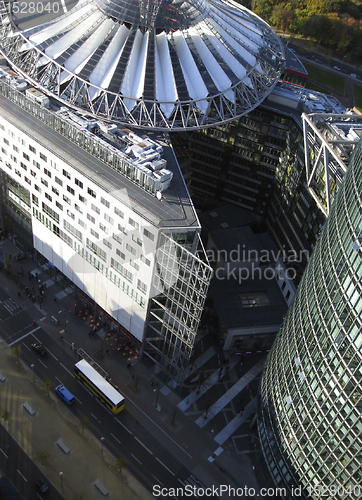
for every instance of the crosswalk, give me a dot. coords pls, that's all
(11, 305)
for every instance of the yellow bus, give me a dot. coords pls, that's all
(99, 386)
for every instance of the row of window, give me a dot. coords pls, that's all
(125, 287)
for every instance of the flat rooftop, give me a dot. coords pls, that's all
(175, 209)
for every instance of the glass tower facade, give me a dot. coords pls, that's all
(310, 413)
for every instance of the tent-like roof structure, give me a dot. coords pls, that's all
(156, 64)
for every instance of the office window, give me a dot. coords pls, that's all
(94, 233)
(78, 208)
(95, 209)
(36, 164)
(117, 238)
(27, 180)
(105, 202)
(69, 213)
(141, 286)
(43, 181)
(108, 219)
(122, 229)
(78, 183)
(107, 243)
(27, 157)
(118, 212)
(149, 235)
(81, 223)
(32, 149)
(14, 158)
(131, 249)
(133, 223)
(6, 142)
(70, 190)
(37, 188)
(59, 205)
(33, 173)
(55, 190)
(66, 199)
(145, 260)
(103, 227)
(43, 157)
(23, 166)
(66, 174)
(91, 192)
(92, 219)
(48, 197)
(120, 254)
(47, 172)
(134, 264)
(15, 148)
(35, 200)
(82, 199)
(58, 181)
(137, 240)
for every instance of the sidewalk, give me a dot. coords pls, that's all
(196, 448)
(83, 465)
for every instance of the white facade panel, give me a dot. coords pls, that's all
(93, 238)
(165, 80)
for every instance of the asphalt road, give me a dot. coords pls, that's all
(21, 470)
(148, 460)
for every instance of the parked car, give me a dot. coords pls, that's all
(318, 61)
(337, 68)
(345, 71)
(41, 486)
(39, 349)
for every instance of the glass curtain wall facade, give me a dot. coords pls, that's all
(180, 285)
(310, 412)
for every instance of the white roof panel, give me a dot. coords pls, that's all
(134, 77)
(165, 82)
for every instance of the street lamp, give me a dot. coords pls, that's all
(32, 369)
(65, 319)
(61, 480)
(102, 441)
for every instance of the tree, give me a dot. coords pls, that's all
(42, 456)
(47, 385)
(83, 424)
(121, 463)
(5, 415)
(16, 352)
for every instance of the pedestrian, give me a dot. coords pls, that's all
(61, 338)
(73, 346)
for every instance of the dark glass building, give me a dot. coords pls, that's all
(310, 414)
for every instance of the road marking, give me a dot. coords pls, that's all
(56, 359)
(145, 414)
(22, 475)
(94, 416)
(66, 369)
(136, 459)
(114, 437)
(42, 319)
(40, 361)
(145, 447)
(79, 401)
(24, 336)
(26, 347)
(170, 471)
(3, 452)
(120, 423)
(158, 481)
(60, 382)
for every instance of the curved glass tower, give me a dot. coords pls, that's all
(310, 417)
